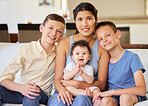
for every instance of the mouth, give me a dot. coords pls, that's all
(106, 44)
(52, 38)
(85, 29)
(81, 60)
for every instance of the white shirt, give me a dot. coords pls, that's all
(87, 69)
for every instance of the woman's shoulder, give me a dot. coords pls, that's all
(102, 52)
(64, 41)
(64, 44)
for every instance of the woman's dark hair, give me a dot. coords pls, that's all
(85, 6)
(55, 17)
(81, 43)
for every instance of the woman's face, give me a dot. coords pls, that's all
(85, 23)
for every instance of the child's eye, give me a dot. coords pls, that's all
(100, 39)
(77, 53)
(50, 28)
(89, 18)
(59, 31)
(84, 53)
(108, 35)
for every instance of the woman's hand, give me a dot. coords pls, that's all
(29, 89)
(66, 97)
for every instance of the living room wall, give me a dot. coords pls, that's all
(13, 12)
(19, 11)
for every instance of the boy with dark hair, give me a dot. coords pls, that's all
(125, 75)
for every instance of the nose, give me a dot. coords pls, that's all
(54, 32)
(85, 23)
(104, 39)
(81, 54)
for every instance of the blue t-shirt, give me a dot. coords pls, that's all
(94, 61)
(121, 73)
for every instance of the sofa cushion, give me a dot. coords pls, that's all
(7, 50)
(144, 103)
(143, 53)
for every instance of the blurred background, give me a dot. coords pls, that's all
(129, 15)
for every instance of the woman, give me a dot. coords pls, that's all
(85, 16)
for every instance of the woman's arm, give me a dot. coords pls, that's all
(59, 65)
(102, 68)
(62, 49)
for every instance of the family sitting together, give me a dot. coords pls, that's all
(88, 68)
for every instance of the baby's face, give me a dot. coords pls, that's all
(81, 55)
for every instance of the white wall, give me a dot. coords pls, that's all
(19, 11)
(139, 34)
(114, 8)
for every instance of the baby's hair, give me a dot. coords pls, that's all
(107, 23)
(55, 17)
(80, 43)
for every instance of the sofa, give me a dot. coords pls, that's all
(7, 50)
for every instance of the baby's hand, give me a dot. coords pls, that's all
(76, 69)
(80, 72)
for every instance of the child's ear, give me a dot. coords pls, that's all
(118, 33)
(89, 57)
(41, 27)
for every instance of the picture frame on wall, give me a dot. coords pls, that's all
(46, 2)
